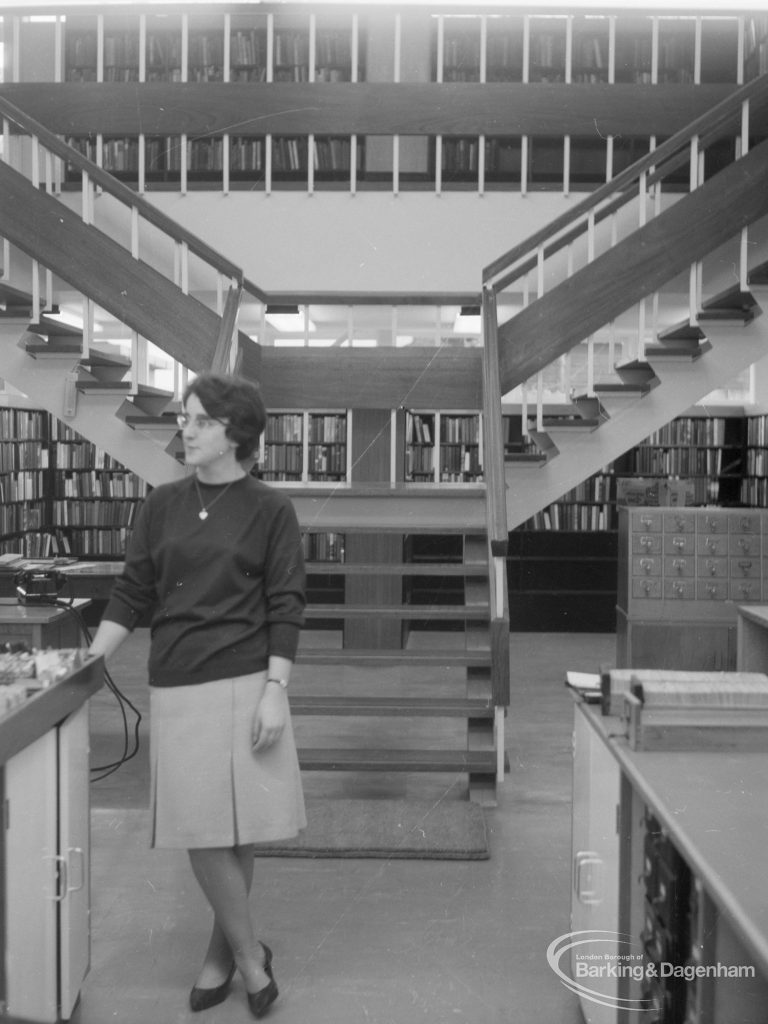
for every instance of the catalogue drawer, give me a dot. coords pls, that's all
(744, 544)
(645, 565)
(712, 543)
(712, 522)
(679, 522)
(745, 568)
(744, 522)
(646, 544)
(648, 587)
(712, 590)
(746, 590)
(679, 565)
(711, 568)
(679, 544)
(646, 521)
(680, 590)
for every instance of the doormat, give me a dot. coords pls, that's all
(408, 829)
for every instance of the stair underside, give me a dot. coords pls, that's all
(460, 570)
(383, 611)
(375, 658)
(401, 707)
(372, 760)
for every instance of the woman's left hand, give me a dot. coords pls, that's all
(270, 718)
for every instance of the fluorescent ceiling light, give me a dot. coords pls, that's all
(468, 320)
(288, 319)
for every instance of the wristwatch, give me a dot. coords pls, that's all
(280, 682)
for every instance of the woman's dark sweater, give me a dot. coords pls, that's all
(226, 592)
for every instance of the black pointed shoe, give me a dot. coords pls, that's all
(205, 998)
(259, 1002)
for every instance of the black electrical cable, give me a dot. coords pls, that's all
(120, 697)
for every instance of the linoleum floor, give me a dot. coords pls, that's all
(355, 941)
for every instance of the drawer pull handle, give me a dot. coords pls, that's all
(711, 567)
(678, 542)
(679, 565)
(711, 544)
(646, 564)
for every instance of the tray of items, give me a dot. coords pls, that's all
(679, 711)
(31, 699)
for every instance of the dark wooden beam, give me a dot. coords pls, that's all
(364, 108)
(381, 378)
(634, 268)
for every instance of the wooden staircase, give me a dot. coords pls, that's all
(685, 363)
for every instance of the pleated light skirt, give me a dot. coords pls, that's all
(209, 788)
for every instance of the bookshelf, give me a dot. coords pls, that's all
(61, 495)
(306, 447)
(443, 447)
(563, 561)
(328, 46)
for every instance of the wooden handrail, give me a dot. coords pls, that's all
(498, 534)
(124, 194)
(711, 124)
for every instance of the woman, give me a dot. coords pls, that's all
(217, 557)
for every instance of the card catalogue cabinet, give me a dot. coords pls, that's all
(682, 575)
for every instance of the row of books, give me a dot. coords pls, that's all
(281, 458)
(99, 542)
(284, 427)
(323, 547)
(757, 430)
(16, 455)
(698, 430)
(98, 484)
(16, 518)
(100, 513)
(757, 462)
(328, 460)
(574, 517)
(25, 485)
(22, 424)
(458, 462)
(681, 461)
(754, 492)
(327, 429)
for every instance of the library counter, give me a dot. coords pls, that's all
(698, 816)
(45, 847)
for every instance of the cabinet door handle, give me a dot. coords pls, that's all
(77, 851)
(61, 878)
(586, 877)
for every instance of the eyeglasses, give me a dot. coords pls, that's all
(198, 422)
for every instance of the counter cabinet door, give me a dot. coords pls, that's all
(595, 860)
(32, 882)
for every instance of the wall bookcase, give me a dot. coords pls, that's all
(307, 447)
(61, 495)
(330, 46)
(443, 447)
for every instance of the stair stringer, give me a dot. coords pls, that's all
(43, 382)
(532, 487)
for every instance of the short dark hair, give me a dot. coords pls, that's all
(234, 399)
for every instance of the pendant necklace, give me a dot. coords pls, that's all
(203, 513)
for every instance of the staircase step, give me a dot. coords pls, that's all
(55, 328)
(459, 569)
(622, 390)
(735, 316)
(440, 509)
(682, 331)
(319, 759)
(732, 299)
(15, 302)
(397, 611)
(379, 657)
(443, 707)
(525, 458)
(570, 423)
(677, 352)
(758, 275)
(153, 422)
(636, 372)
